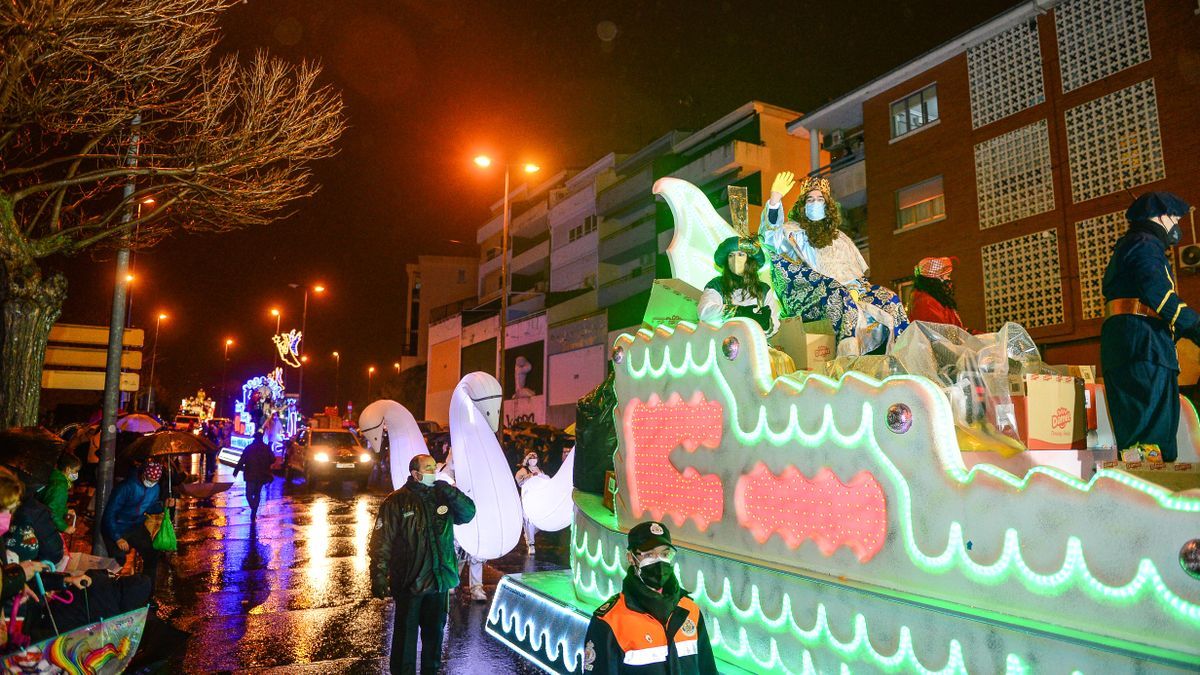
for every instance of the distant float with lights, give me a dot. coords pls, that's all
(833, 526)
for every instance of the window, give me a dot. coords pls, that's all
(914, 111)
(589, 224)
(462, 276)
(920, 204)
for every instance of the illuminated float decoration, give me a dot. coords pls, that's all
(832, 526)
(546, 501)
(481, 471)
(404, 436)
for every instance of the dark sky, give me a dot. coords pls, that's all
(427, 85)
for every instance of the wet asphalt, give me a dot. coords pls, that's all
(291, 593)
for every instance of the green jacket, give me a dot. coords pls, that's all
(55, 495)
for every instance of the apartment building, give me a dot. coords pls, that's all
(1017, 147)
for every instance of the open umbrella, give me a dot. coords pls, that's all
(168, 443)
(203, 490)
(139, 423)
(33, 451)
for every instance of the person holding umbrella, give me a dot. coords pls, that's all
(124, 523)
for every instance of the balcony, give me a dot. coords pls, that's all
(532, 260)
(615, 290)
(628, 242)
(847, 179)
(728, 158)
(627, 192)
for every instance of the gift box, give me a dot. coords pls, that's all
(672, 301)
(1049, 411)
(809, 344)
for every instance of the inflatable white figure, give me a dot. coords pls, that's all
(547, 501)
(481, 470)
(404, 436)
(699, 230)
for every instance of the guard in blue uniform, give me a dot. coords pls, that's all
(1143, 317)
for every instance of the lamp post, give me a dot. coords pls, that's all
(275, 313)
(483, 161)
(396, 365)
(224, 373)
(337, 377)
(370, 374)
(153, 362)
(318, 288)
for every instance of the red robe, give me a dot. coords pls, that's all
(925, 308)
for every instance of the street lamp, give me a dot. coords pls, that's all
(153, 361)
(318, 288)
(337, 376)
(370, 374)
(396, 365)
(484, 161)
(224, 374)
(275, 313)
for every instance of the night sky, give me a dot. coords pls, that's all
(428, 85)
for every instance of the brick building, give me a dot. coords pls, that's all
(1017, 147)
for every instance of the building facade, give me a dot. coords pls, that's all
(434, 281)
(1016, 147)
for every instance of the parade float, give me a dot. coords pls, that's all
(842, 525)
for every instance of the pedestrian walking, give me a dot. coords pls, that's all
(256, 462)
(412, 560)
(652, 626)
(124, 523)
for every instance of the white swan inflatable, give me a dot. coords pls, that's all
(481, 470)
(547, 501)
(404, 436)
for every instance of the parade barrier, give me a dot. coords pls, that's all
(832, 525)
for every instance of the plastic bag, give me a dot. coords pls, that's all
(164, 539)
(595, 435)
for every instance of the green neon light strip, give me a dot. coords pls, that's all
(1074, 570)
(820, 636)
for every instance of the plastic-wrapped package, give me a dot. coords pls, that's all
(878, 367)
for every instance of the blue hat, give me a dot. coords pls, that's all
(1155, 204)
(748, 246)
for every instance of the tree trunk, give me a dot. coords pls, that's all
(31, 305)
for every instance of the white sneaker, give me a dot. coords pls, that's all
(478, 595)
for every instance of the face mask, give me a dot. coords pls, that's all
(1173, 235)
(655, 574)
(5, 521)
(532, 462)
(814, 210)
(427, 479)
(72, 477)
(737, 264)
(149, 483)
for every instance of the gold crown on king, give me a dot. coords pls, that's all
(814, 183)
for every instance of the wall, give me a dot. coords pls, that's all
(443, 372)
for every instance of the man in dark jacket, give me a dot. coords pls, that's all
(1144, 317)
(256, 461)
(412, 559)
(652, 626)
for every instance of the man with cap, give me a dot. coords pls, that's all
(933, 293)
(652, 626)
(124, 522)
(1143, 317)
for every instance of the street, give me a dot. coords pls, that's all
(292, 594)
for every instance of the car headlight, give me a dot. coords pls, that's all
(321, 456)
(365, 457)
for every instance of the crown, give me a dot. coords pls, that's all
(814, 183)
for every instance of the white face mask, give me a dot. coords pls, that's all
(428, 479)
(73, 477)
(149, 484)
(532, 461)
(815, 210)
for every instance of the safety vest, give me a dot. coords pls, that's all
(643, 640)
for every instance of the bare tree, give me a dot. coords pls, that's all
(86, 85)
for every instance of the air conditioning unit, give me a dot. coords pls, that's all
(1190, 257)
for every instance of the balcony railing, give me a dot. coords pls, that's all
(626, 192)
(722, 160)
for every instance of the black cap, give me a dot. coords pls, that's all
(648, 535)
(1154, 204)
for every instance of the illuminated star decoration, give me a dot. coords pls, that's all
(288, 344)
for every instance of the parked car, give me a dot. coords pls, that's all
(328, 454)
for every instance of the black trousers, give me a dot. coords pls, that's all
(1143, 401)
(253, 495)
(139, 540)
(428, 613)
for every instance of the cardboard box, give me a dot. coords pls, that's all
(1174, 476)
(671, 301)
(610, 491)
(809, 344)
(1090, 404)
(1050, 412)
(1085, 373)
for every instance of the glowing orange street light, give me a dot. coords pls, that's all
(154, 361)
(532, 168)
(483, 161)
(396, 365)
(129, 278)
(224, 374)
(149, 201)
(370, 374)
(304, 359)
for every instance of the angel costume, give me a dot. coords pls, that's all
(819, 273)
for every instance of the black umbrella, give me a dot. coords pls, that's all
(162, 443)
(32, 451)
